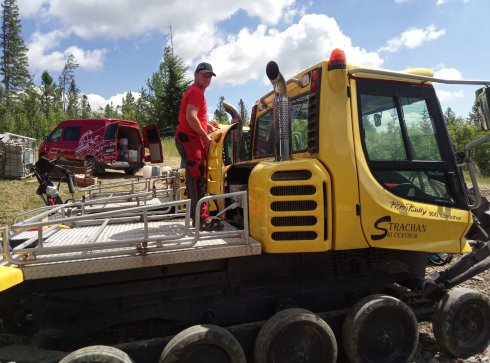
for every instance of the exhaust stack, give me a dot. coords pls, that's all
(281, 119)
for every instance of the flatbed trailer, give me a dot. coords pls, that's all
(123, 238)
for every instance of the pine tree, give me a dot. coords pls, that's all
(14, 65)
(73, 107)
(85, 109)
(128, 108)
(243, 112)
(175, 84)
(474, 117)
(110, 111)
(220, 114)
(66, 77)
(165, 89)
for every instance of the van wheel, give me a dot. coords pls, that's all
(97, 168)
(131, 171)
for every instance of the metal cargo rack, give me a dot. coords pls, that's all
(167, 182)
(133, 192)
(134, 237)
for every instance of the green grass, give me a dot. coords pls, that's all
(170, 153)
(169, 149)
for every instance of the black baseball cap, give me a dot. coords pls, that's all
(205, 68)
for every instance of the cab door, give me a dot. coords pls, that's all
(152, 142)
(411, 192)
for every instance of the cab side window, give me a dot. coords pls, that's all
(400, 142)
(264, 139)
(299, 123)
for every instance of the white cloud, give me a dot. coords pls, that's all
(242, 58)
(413, 38)
(448, 73)
(122, 18)
(194, 24)
(97, 101)
(442, 2)
(448, 96)
(42, 57)
(28, 8)
(87, 59)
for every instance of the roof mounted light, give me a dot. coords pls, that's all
(337, 60)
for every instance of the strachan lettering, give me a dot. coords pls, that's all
(397, 230)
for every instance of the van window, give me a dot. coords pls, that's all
(72, 133)
(56, 135)
(110, 132)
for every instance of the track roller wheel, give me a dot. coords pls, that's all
(295, 335)
(203, 343)
(461, 322)
(97, 353)
(380, 328)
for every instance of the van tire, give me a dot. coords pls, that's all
(131, 171)
(97, 168)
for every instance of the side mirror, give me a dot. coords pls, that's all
(483, 101)
(45, 137)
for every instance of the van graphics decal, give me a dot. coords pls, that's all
(397, 230)
(92, 144)
(87, 142)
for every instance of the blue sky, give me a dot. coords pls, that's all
(119, 43)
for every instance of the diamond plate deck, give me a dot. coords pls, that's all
(130, 257)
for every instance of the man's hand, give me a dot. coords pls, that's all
(207, 141)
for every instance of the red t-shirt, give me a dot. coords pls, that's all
(193, 96)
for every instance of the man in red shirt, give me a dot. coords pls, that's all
(192, 141)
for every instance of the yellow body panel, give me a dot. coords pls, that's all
(340, 160)
(10, 276)
(276, 201)
(215, 168)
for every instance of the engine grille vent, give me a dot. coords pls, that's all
(294, 206)
(288, 236)
(294, 221)
(291, 175)
(293, 190)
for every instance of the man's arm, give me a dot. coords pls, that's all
(195, 124)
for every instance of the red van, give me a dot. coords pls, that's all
(104, 143)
